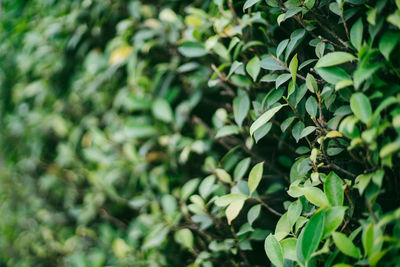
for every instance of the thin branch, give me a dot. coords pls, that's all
(286, 68)
(371, 211)
(265, 205)
(335, 167)
(235, 17)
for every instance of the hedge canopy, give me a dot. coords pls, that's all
(200, 133)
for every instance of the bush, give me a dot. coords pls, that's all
(201, 133)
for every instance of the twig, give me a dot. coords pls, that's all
(265, 205)
(335, 167)
(210, 132)
(104, 214)
(286, 68)
(371, 211)
(345, 25)
(223, 78)
(235, 17)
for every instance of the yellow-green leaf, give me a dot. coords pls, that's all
(255, 176)
(233, 210)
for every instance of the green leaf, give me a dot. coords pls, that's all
(223, 176)
(363, 73)
(241, 106)
(342, 84)
(255, 176)
(289, 248)
(262, 131)
(286, 123)
(269, 63)
(356, 34)
(315, 196)
(269, 78)
(184, 237)
(227, 130)
(293, 67)
(282, 228)
(241, 168)
(333, 74)
(253, 213)
(311, 83)
(362, 182)
(306, 131)
(390, 148)
(297, 129)
(264, 118)
(296, 38)
(294, 211)
(281, 47)
(368, 239)
(272, 3)
(395, 18)
(233, 210)
(273, 250)
(162, 110)
(312, 234)
(274, 96)
(192, 49)
(334, 58)
(253, 67)
(333, 219)
(334, 189)
(282, 79)
(361, 107)
(188, 188)
(234, 67)
(206, 186)
(312, 106)
(155, 237)
(228, 199)
(306, 63)
(292, 11)
(345, 245)
(387, 43)
(249, 3)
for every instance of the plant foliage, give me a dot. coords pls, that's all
(200, 133)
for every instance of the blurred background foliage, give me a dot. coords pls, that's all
(86, 130)
(127, 128)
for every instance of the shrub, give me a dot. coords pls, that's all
(201, 133)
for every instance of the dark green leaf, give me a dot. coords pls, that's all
(312, 106)
(312, 234)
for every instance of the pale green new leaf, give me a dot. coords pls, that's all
(273, 250)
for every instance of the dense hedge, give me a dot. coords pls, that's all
(201, 133)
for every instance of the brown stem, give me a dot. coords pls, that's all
(265, 205)
(371, 211)
(286, 68)
(235, 17)
(335, 167)
(345, 25)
